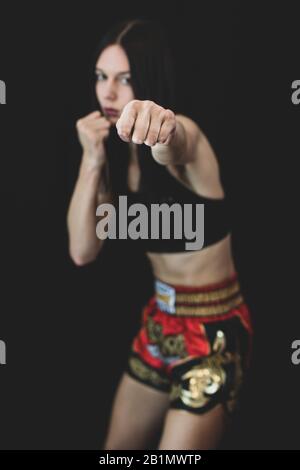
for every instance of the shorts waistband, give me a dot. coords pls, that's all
(209, 299)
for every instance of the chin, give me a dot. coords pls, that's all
(113, 119)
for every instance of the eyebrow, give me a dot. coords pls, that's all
(120, 73)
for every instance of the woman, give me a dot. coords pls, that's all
(187, 362)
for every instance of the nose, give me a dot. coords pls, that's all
(110, 91)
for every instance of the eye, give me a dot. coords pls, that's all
(125, 80)
(100, 76)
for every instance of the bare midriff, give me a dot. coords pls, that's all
(211, 264)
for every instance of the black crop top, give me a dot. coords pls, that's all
(216, 217)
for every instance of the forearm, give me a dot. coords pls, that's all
(84, 245)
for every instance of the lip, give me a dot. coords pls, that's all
(111, 111)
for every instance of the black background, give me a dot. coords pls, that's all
(67, 328)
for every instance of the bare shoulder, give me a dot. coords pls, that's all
(201, 172)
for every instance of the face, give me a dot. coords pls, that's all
(113, 85)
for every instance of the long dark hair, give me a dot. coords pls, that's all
(152, 78)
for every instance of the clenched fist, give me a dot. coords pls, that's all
(145, 122)
(92, 130)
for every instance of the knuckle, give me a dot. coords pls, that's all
(139, 129)
(132, 104)
(163, 139)
(151, 139)
(169, 114)
(123, 129)
(139, 134)
(136, 139)
(148, 104)
(152, 135)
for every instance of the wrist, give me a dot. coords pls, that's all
(90, 166)
(168, 153)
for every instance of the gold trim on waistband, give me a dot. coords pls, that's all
(218, 294)
(163, 297)
(209, 309)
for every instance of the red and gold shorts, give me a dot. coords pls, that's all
(194, 343)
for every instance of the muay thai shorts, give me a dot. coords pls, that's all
(194, 343)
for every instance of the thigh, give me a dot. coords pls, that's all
(137, 415)
(206, 388)
(185, 430)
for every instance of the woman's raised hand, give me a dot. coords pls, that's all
(92, 130)
(145, 122)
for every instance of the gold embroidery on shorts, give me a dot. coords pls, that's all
(163, 297)
(170, 345)
(220, 342)
(204, 381)
(145, 372)
(173, 345)
(237, 383)
(154, 330)
(207, 378)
